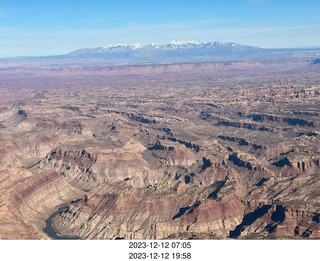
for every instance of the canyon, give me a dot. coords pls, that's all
(206, 150)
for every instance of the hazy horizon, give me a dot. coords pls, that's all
(58, 54)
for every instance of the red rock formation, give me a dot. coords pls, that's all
(30, 201)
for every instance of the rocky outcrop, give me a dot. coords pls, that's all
(173, 153)
(103, 213)
(245, 161)
(306, 165)
(292, 164)
(282, 119)
(29, 203)
(240, 141)
(244, 125)
(277, 221)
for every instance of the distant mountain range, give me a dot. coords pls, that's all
(175, 51)
(174, 47)
(178, 51)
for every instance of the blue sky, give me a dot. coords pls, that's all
(58, 27)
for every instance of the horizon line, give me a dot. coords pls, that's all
(147, 44)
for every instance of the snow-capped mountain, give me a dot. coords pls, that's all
(173, 51)
(173, 45)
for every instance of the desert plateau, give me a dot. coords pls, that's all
(172, 150)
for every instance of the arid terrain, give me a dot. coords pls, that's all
(212, 150)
